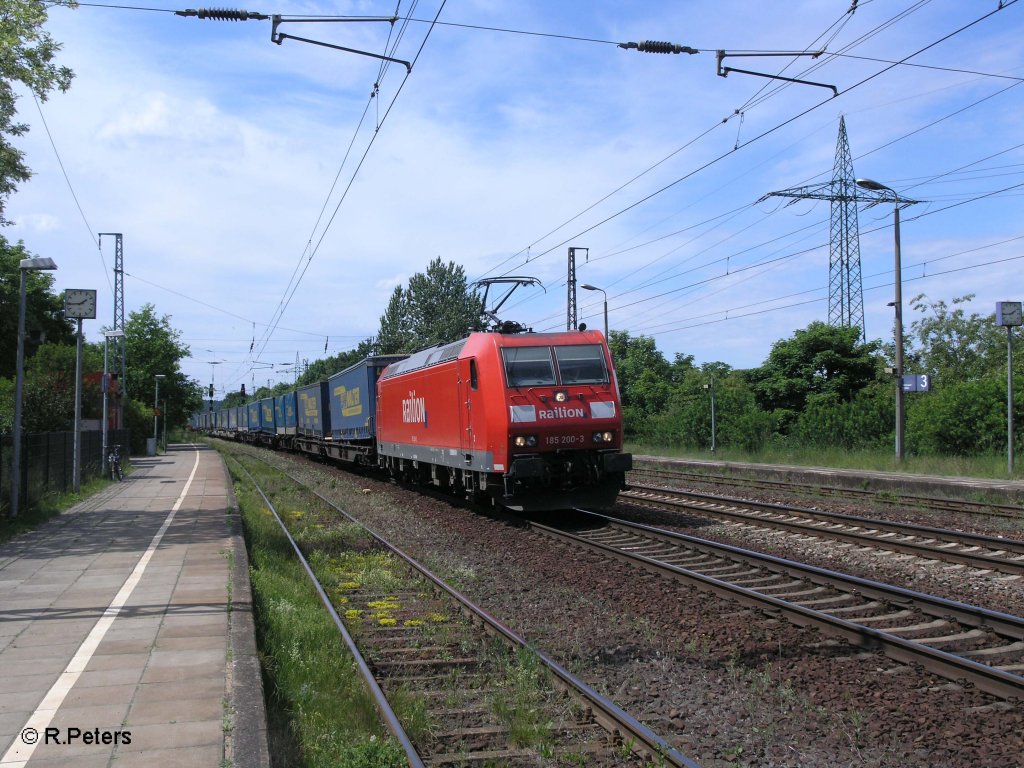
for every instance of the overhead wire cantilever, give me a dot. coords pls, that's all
(724, 71)
(228, 14)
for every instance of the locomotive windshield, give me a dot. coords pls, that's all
(581, 364)
(577, 364)
(528, 366)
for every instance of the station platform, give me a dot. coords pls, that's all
(126, 633)
(1006, 491)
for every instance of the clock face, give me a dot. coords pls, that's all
(80, 303)
(1009, 313)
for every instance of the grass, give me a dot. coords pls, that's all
(518, 696)
(319, 712)
(992, 466)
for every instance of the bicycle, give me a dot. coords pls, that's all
(114, 459)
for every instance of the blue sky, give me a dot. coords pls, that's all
(229, 164)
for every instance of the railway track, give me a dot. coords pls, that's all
(452, 660)
(888, 498)
(957, 641)
(983, 552)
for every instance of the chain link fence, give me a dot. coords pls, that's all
(47, 462)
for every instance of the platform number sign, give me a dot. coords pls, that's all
(917, 382)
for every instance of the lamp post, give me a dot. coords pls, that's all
(156, 401)
(106, 391)
(588, 287)
(897, 201)
(24, 266)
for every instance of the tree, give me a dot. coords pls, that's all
(395, 333)
(26, 58)
(321, 370)
(953, 346)
(963, 418)
(644, 375)
(154, 347)
(823, 360)
(44, 310)
(686, 421)
(441, 306)
(437, 307)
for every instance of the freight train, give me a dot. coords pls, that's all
(532, 420)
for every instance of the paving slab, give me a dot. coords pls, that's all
(117, 640)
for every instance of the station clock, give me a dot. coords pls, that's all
(80, 303)
(1008, 313)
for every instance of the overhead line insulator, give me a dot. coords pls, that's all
(223, 14)
(657, 46)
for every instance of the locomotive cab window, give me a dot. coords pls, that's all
(528, 366)
(581, 364)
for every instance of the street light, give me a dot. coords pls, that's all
(156, 401)
(24, 266)
(897, 201)
(588, 287)
(108, 335)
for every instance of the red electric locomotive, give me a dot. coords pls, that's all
(532, 420)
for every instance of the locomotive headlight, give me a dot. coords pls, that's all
(603, 437)
(524, 441)
(561, 397)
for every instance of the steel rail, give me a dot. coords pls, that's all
(935, 551)
(606, 713)
(989, 679)
(379, 699)
(993, 509)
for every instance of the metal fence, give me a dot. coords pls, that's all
(47, 462)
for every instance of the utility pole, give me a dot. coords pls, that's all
(571, 320)
(120, 352)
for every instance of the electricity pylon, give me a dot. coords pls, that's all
(845, 291)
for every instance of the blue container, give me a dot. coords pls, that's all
(354, 398)
(267, 423)
(313, 414)
(284, 413)
(253, 422)
(242, 417)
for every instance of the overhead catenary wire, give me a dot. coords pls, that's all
(673, 258)
(527, 299)
(688, 144)
(756, 138)
(345, 192)
(776, 259)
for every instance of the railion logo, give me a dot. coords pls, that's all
(414, 409)
(562, 413)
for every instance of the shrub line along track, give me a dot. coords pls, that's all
(623, 730)
(986, 552)
(790, 589)
(1014, 512)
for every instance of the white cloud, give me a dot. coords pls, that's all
(214, 150)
